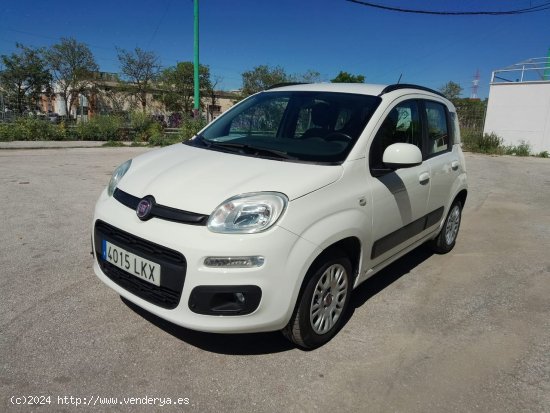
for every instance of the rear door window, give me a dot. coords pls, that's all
(438, 130)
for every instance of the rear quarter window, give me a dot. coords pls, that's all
(455, 128)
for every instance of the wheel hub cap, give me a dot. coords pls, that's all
(329, 298)
(453, 222)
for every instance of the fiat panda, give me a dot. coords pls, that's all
(270, 216)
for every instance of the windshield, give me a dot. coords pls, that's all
(319, 127)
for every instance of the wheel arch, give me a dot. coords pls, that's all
(461, 196)
(350, 246)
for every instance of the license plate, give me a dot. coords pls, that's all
(131, 263)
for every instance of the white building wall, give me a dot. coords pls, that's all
(520, 111)
(59, 106)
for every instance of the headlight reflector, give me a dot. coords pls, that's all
(117, 176)
(248, 213)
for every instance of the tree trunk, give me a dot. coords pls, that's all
(65, 99)
(19, 102)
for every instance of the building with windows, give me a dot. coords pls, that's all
(104, 93)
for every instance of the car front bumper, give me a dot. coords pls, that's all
(287, 257)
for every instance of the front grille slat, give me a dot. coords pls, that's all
(173, 266)
(162, 211)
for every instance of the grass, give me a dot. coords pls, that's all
(113, 144)
(492, 144)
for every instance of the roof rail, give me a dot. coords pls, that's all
(398, 86)
(282, 84)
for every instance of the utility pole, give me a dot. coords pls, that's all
(197, 101)
(475, 85)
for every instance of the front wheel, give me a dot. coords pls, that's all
(322, 305)
(446, 239)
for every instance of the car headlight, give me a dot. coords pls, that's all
(117, 176)
(248, 213)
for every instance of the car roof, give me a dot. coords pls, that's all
(360, 88)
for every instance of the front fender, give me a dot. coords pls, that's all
(315, 239)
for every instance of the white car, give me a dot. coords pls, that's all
(271, 215)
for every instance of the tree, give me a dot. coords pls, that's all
(345, 77)
(140, 69)
(471, 113)
(451, 90)
(178, 86)
(310, 76)
(24, 77)
(261, 77)
(71, 64)
(211, 92)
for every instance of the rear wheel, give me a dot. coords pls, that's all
(321, 307)
(446, 239)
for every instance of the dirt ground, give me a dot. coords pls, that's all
(467, 331)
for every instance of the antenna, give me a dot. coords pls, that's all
(475, 85)
(400, 76)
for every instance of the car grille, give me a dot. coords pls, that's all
(161, 211)
(173, 266)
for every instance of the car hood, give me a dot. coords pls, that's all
(198, 180)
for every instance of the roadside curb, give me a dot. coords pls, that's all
(53, 144)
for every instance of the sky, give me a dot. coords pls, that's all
(323, 35)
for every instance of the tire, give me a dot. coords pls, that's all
(320, 309)
(446, 239)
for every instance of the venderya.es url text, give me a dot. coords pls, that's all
(95, 400)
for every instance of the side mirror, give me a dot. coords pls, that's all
(402, 155)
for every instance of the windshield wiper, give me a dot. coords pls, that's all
(252, 150)
(234, 147)
(198, 139)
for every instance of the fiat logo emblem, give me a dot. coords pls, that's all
(144, 207)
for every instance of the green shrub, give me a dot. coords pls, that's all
(99, 128)
(476, 141)
(543, 154)
(144, 127)
(190, 127)
(470, 139)
(140, 122)
(490, 143)
(5, 135)
(523, 149)
(164, 140)
(31, 129)
(141, 129)
(109, 126)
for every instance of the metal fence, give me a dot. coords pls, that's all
(532, 70)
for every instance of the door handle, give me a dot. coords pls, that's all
(424, 178)
(454, 165)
